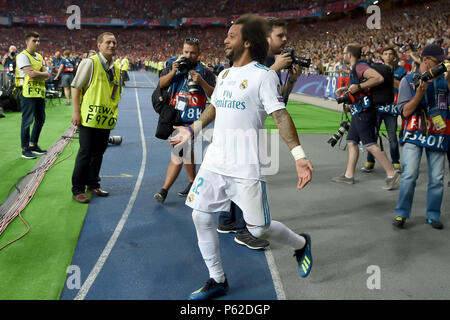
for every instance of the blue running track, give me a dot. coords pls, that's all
(155, 254)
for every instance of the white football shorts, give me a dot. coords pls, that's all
(212, 193)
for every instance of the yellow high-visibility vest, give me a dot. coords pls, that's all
(99, 102)
(33, 88)
(17, 75)
(125, 64)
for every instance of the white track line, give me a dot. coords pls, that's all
(277, 284)
(155, 84)
(109, 246)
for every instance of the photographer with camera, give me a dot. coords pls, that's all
(387, 109)
(67, 68)
(423, 101)
(189, 83)
(9, 61)
(7, 85)
(279, 57)
(364, 117)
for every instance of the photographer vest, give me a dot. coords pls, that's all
(189, 105)
(69, 65)
(362, 100)
(34, 88)
(99, 102)
(419, 128)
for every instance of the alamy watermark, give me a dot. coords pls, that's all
(74, 20)
(374, 21)
(238, 147)
(74, 277)
(374, 280)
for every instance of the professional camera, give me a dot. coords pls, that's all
(192, 85)
(184, 65)
(434, 72)
(338, 135)
(301, 61)
(115, 140)
(346, 98)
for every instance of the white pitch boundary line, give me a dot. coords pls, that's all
(112, 241)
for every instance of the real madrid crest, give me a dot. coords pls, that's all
(243, 85)
(190, 198)
(225, 74)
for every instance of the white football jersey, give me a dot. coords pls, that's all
(243, 97)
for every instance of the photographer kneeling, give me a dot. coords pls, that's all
(364, 117)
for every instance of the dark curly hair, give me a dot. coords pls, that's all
(255, 30)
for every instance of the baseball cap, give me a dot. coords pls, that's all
(435, 51)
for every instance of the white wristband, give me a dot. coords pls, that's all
(298, 153)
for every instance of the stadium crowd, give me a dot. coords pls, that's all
(320, 40)
(160, 9)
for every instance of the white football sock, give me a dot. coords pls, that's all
(208, 243)
(278, 232)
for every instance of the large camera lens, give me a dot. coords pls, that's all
(302, 61)
(344, 99)
(115, 140)
(338, 135)
(436, 71)
(183, 65)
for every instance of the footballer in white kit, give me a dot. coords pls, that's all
(231, 170)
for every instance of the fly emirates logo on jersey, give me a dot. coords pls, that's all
(227, 101)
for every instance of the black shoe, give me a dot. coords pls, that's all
(36, 150)
(210, 290)
(27, 154)
(399, 222)
(185, 192)
(435, 224)
(160, 196)
(247, 239)
(227, 228)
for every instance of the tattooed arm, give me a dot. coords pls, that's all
(287, 130)
(285, 125)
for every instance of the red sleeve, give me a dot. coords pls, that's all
(360, 69)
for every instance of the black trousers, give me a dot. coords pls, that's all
(93, 143)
